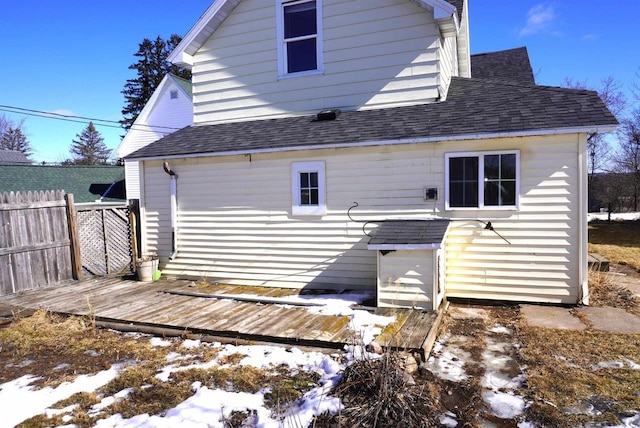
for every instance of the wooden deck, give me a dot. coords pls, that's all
(218, 312)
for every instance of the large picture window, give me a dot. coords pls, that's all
(299, 36)
(308, 192)
(482, 180)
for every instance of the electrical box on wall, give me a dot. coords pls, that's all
(430, 193)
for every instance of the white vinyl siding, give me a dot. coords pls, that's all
(376, 53)
(406, 279)
(448, 63)
(235, 223)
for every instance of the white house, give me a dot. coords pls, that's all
(350, 144)
(170, 108)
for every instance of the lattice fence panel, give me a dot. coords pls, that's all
(105, 240)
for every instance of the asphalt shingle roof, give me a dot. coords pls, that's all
(511, 65)
(473, 107)
(13, 157)
(87, 183)
(409, 232)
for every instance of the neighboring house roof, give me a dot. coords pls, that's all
(220, 10)
(474, 109)
(408, 234)
(13, 157)
(510, 65)
(87, 183)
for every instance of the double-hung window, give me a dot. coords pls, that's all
(308, 193)
(299, 37)
(487, 180)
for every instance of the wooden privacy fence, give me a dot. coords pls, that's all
(45, 240)
(36, 240)
(105, 239)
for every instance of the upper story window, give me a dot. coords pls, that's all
(299, 37)
(489, 180)
(308, 191)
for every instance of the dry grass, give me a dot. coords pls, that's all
(618, 241)
(565, 378)
(54, 348)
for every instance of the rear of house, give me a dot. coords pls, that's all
(311, 178)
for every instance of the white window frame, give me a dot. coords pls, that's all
(310, 166)
(481, 180)
(282, 48)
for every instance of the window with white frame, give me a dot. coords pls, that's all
(488, 180)
(299, 37)
(308, 190)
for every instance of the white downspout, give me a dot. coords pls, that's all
(174, 210)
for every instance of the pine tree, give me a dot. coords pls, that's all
(12, 136)
(89, 148)
(151, 68)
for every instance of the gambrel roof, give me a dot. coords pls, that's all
(510, 65)
(474, 109)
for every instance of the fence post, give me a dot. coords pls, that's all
(72, 221)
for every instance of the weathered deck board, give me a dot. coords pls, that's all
(147, 305)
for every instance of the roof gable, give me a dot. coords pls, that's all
(221, 9)
(474, 109)
(141, 124)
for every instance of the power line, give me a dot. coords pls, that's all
(81, 119)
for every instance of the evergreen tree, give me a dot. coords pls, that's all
(89, 148)
(12, 136)
(151, 67)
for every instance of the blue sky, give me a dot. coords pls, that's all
(72, 57)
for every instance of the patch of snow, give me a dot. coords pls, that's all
(14, 394)
(159, 342)
(614, 216)
(108, 401)
(500, 329)
(92, 353)
(448, 420)
(447, 360)
(504, 405)
(61, 366)
(189, 343)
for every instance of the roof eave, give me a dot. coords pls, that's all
(371, 143)
(205, 26)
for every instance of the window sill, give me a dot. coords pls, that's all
(300, 74)
(308, 211)
(496, 208)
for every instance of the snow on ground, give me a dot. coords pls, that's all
(208, 407)
(502, 374)
(614, 216)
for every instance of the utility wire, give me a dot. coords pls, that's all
(81, 119)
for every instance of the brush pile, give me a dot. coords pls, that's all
(377, 392)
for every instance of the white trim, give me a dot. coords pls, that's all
(310, 166)
(396, 247)
(583, 225)
(480, 155)
(281, 49)
(393, 142)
